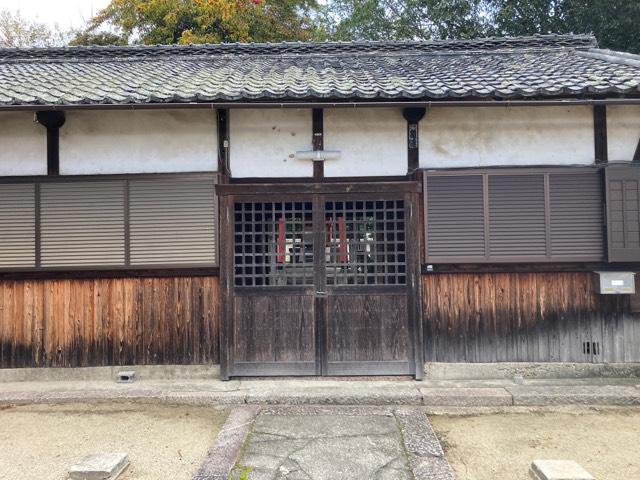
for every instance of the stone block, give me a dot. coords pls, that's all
(101, 466)
(465, 397)
(558, 470)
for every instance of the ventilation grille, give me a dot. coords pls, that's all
(591, 348)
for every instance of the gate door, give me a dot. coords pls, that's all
(320, 284)
(367, 316)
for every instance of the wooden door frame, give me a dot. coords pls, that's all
(229, 193)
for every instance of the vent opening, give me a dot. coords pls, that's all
(591, 348)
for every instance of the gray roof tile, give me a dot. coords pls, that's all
(566, 65)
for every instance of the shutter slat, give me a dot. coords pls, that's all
(82, 223)
(173, 221)
(455, 221)
(17, 225)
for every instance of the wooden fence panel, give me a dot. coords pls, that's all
(513, 317)
(121, 321)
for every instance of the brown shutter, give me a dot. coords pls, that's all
(517, 222)
(17, 225)
(173, 221)
(576, 216)
(623, 213)
(455, 217)
(82, 223)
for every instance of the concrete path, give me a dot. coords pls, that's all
(333, 443)
(486, 393)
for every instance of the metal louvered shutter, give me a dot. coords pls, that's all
(517, 223)
(82, 223)
(173, 221)
(455, 217)
(17, 225)
(623, 213)
(575, 205)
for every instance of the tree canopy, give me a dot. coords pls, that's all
(122, 22)
(200, 21)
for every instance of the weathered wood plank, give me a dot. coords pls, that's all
(117, 321)
(488, 317)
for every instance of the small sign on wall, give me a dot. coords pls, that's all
(615, 283)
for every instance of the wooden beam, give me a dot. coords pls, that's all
(223, 144)
(413, 117)
(636, 154)
(600, 134)
(318, 141)
(52, 121)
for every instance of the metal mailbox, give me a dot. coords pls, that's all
(615, 283)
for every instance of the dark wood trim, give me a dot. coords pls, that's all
(38, 226)
(127, 225)
(226, 285)
(413, 117)
(600, 134)
(518, 267)
(317, 141)
(131, 272)
(101, 178)
(513, 170)
(296, 180)
(536, 101)
(311, 188)
(52, 121)
(222, 117)
(320, 284)
(636, 154)
(414, 297)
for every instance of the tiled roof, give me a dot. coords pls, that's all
(549, 65)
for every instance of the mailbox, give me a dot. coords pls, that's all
(615, 283)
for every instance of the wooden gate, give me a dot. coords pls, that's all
(317, 281)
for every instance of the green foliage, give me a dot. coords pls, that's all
(614, 22)
(202, 21)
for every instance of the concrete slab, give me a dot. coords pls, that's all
(574, 395)
(100, 466)
(466, 397)
(222, 456)
(558, 470)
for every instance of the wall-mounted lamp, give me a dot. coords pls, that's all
(318, 155)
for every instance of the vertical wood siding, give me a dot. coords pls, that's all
(70, 323)
(511, 317)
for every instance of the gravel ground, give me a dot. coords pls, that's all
(502, 446)
(163, 442)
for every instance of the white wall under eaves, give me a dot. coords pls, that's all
(138, 141)
(23, 145)
(453, 137)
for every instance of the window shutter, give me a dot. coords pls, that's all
(82, 223)
(173, 221)
(517, 216)
(576, 216)
(455, 217)
(623, 213)
(17, 225)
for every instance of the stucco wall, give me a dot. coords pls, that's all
(138, 141)
(263, 143)
(623, 131)
(494, 136)
(23, 145)
(372, 141)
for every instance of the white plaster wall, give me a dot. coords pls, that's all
(623, 131)
(263, 142)
(23, 145)
(372, 141)
(495, 136)
(138, 141)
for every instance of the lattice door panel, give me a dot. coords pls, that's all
(273, 244)
(366, 242)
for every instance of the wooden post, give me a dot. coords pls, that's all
(413, 117)
(600, 134)
(318, 141)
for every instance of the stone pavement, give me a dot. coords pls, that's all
(334, 443)
(331, 391)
